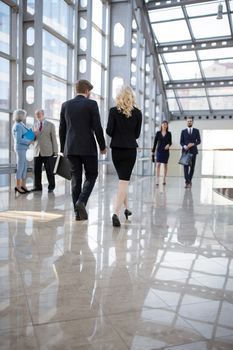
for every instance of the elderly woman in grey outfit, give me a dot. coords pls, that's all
(21, 145)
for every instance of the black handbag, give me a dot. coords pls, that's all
(186, 158)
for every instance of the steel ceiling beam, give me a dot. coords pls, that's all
(182, 46)
(158, 5)
(199, 83)
(203, 114)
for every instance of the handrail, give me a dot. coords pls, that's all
(200, 149)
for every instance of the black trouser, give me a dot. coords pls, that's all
(189, 170)
(49, 165)
(90, 164)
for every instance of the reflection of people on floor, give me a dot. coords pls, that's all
(36, 228)
(187, 232)
(78, 291)
(159, 214)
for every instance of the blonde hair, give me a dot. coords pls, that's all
(125, 101)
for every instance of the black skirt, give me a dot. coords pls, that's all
(124, 160)
(162, 157)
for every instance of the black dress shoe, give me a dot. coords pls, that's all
(77, 217)
(50, 190)
(35, 189)
(80, 208)
(115, 221)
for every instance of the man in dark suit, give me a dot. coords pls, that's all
(189, 139)
(79, 125)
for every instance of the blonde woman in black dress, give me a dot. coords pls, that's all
(124, 127)
(162, 143)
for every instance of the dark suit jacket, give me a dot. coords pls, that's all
(79, 122)
(195, 138)
(124, 131)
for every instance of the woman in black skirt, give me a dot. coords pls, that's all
(124, 126)
(163, 141)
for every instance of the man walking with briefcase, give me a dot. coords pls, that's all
(189, 139)
(79, 129)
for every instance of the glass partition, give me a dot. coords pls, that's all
(5, 28)
(4, 138)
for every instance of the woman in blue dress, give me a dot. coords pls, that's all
(162, 143)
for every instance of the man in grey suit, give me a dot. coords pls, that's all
(45, 147)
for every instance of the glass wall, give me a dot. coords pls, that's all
(4, 28)
(4, 138)
(57, 57)
(98, 55)
(5, 82)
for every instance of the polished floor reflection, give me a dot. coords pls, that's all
(163, 280)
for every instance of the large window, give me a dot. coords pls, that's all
(98, 59)
(4, 28)
(53, 95)
(57, 56)
(4, 83)
(4, 138)
(54, 55)
(56, 15)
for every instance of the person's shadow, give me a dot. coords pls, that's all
(187, 232)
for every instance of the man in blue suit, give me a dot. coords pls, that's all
(189, 139)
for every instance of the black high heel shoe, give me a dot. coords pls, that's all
(17, 190)
(25, 189)
(115, 221)
(127, 213)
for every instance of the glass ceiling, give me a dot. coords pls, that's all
(195, 53)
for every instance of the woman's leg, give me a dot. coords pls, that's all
(121, 195)
(157, 173)
(164, 173)
(126, 203)
(24, 173)
(20, 156)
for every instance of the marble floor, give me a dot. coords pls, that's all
(163, 280)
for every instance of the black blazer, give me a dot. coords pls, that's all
(124, 131)
(186, 138)
(162, 141)
(79, 122)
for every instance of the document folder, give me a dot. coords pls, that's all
(62, 167)
(29, 135)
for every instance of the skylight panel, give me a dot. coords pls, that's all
(171, 31)
(180, 56)
(183, 71)
(166, 14)
(201, 9)
(210, 27)
(216, 53)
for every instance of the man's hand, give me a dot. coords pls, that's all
(190, 145)
(104, 151)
